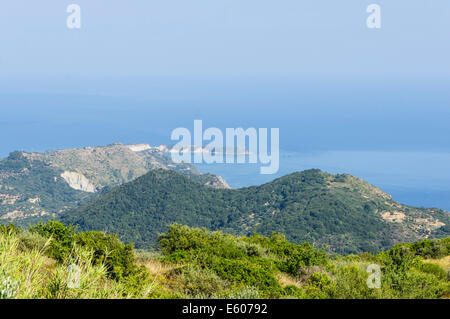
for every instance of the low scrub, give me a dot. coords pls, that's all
(51, 260)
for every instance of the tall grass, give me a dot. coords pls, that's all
(28, 274)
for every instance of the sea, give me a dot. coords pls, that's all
(419, 179)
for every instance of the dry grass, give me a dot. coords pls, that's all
(157, 268)
(443, 262)
(160, 272)
(31, 274)
(288, 280)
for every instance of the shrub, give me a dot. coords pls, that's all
(351, 282)
(181, 237)
(427, 248)
(247, 292)
(118, 258)
(197, 282)
(292, 291)
(246, 273)
(433, 269)
(9, 229)
(8, 286)
(419, 285)
(62, 238)
(30, 241)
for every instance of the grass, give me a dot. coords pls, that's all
(217, 269)
(27, 274)
(443, 262)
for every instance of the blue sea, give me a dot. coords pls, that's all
(412, 178)
(396, 139)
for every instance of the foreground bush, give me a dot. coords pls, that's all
(28, 274)
(52, 260)
(307, 272)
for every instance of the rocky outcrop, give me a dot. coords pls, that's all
(139, 147)
(78, 181)
(219, 182)
(86, 171)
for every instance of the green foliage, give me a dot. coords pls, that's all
(405, 275)
(62, 238)
(197, 282)
(236, 261)
(431, 248)
(339, 212)
(399, 259)
(294, 292)
(257, 261)
(9, 229)
(180, 237)
(32, 241)
(107, 266)
(247, 273)
(8, 286)
(196, 263)
(293, 257)
(118, 258)
(351, 283)
(247, 292)
(433, 269)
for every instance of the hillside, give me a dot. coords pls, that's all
(342, 212)
(42, 185)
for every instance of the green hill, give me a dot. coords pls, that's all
(342, 212)
(42, 185)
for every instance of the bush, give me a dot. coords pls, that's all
(197, 282)
(118, 258)
(246, 273)
(433, 248)
(400, 258)
(247, 292)
(9, 229)
(62, 238)
(433, 269)
(30, 241)
(292, 291)
(293, 256)
(351, 282)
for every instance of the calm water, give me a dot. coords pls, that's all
(317, 129)
(413, 178)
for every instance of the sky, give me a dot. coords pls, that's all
(138, 69)
(234, 38)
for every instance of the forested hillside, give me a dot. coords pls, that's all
(340, 212)
(37, 186)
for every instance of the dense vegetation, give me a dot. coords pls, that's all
(31, 186)
(26, 179)
(194, 263)
(338, 211)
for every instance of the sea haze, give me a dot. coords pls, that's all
(412, 178)
(391, 132)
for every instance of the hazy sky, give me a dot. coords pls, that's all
(310, 67)
(215, 38)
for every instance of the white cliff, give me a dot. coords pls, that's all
(78, 181)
